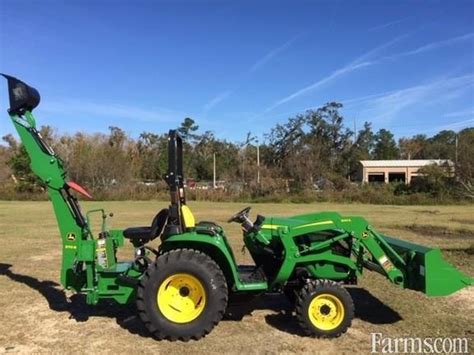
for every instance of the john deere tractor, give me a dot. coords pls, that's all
(182, 286)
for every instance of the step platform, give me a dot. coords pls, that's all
(252, 278)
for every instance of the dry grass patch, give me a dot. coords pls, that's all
(38, 316)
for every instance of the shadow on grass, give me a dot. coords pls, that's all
(76, 306)
(367, 307)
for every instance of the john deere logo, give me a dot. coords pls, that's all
(71, 237)
(365, 234)
(19, 92)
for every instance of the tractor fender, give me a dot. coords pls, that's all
(213, 246)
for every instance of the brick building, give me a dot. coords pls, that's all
(385, 171)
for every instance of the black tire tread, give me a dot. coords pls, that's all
(308, 291)
(176, 255)
(290, 294)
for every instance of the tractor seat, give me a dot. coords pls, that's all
(146, 234)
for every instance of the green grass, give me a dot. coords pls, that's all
(36, 315)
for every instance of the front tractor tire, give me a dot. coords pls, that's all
(182, 295)
(324, 309)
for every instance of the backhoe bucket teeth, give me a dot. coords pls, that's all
(427, 271)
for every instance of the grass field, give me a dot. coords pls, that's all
(37, 316)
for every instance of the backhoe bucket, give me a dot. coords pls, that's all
(427, 271)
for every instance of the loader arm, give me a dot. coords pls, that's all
(405, 264)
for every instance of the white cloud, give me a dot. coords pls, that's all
(388, 24)
(361, 100)
(432, 46)
(217, 99)
(453, 126)
(358, 63)
(363, 61)
(270, 55)
(319, 83)
(384, 108)
(456, 125)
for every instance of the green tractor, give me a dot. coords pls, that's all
(182, 287)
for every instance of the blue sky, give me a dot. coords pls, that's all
(241, 66)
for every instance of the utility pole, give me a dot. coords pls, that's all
(214, 170)
(243, 147)
(258, 163)
(456, 150)
(243, 165)
(355, 130)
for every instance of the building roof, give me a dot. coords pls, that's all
(403, 163)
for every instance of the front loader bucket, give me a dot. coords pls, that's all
(427, 271)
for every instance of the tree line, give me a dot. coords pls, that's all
(311, 151)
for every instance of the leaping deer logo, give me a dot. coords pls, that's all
(19, 92)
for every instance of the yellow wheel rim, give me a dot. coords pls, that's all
(326, 311)
(181, 298)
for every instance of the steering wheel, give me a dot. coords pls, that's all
(239, 217)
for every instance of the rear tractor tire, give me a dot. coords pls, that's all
(182, 295)
(324, 309)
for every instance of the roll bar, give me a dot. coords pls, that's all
(174, 177)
